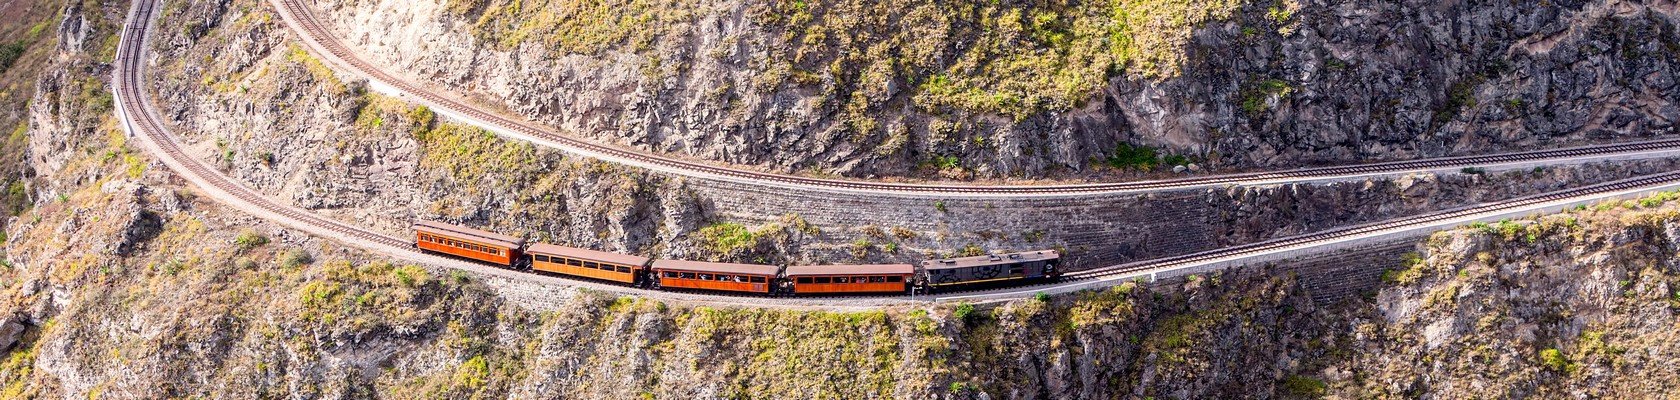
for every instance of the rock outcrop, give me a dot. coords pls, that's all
(848, 88)
(123, 284)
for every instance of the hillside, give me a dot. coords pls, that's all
(1058, 89)
(120, 281)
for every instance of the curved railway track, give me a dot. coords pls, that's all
(139, 118)
(303, 20)
(132, 99)
(1457, 215)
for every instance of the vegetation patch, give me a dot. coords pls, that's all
(1257, 96)
(727, 237)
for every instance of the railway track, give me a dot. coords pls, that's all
(302, 19)
(132, 100)
(140, 119)
(1457, 215)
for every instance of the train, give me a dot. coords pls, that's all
(929, 276)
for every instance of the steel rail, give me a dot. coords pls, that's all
(303, 20)
(137, 115)
(1376, 229)
(133, 99)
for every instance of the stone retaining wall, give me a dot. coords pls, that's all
(1100, 231)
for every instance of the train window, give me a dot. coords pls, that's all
(805, 279)
(687, 275)
(668, 274)
(860, 279)
(574, 262)
(841, 279)
(623, 269)
(591, 265)
(877, 279)
(758, 279)
(740, 278)
(539, 258)
(824, 279)
(895, 279)
(705, 277)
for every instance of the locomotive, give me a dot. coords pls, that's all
(927, 277)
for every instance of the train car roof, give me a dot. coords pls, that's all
(727, 268)
(992, 259)
(586, 254)
(467, 233)
(865, 269)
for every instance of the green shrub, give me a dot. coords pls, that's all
(1412, 269)
(473, 374)
(1303, 386)
(1553, 359)
(1461, 95)
(10, 52)
(1256, 94)
(727, 237)
(860, 248)
(249, 239)
(1127, 156)
(410, 276)
(294, 258)
(964, 311)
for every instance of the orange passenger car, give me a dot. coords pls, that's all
(877, 278)
(467, 242)
(586, 263)
(754, 278)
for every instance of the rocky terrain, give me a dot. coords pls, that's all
(118, 281)
(254, 102)
(938, 90)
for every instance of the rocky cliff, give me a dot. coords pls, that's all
(250, 100)
(1029, 90)
(119, 282)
